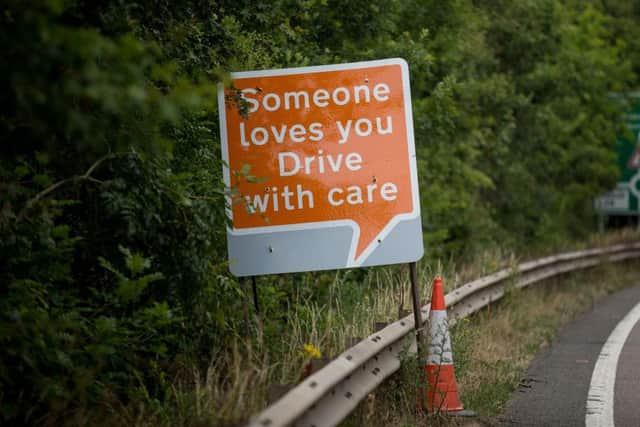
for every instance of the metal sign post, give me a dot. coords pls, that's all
(256, 301)
(417, 319)
(417, 316)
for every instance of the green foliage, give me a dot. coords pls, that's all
(112, 207)
(130, 289)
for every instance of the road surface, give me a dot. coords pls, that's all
(560, 383)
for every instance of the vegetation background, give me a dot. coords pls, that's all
(114, 285)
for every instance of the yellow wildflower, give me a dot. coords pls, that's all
(311, 351)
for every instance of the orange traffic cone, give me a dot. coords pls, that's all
(442, 395)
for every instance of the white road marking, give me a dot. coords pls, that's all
(603, 380)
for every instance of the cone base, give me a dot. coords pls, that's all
(442, 395)
(464, 413)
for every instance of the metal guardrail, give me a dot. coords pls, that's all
(329, 395)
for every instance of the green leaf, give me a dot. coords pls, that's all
(136, 263)
(43, 180)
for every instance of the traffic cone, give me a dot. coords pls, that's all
(442, 394)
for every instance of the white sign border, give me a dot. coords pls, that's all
(413, 170)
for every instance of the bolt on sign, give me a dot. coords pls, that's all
(321, 166)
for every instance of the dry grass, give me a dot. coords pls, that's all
(491, 350)
(502, 340)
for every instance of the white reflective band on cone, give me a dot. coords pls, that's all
(439, 343)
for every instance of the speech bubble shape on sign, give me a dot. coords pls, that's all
(321, 163)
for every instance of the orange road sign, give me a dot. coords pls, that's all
(317, 148)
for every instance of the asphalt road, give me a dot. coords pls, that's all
(555, 389)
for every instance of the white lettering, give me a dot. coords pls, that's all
(286, 195)
(355, 195)
(297, 133)
(260, 203)
(344, 131)
(296, 100)
(381, 92)
(274, 194)
(389, 128)
(253, 104)
(346, 97)
(243, 139)
(263, 139)
(301, 99)
(276, 102)
(370, 189)
(281, 163)
(316, 132)
(279, 135)
(332, 201)
(321, 98)
(388, 191)
(367, 129)
(304, 193)
(356, 93)
(353, 161)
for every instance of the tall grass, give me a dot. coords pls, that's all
(330, 324)
(239, 378)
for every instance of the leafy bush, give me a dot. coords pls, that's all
(112, 251)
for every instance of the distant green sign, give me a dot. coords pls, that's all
(624, 199)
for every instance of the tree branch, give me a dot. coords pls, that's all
(53, 187)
